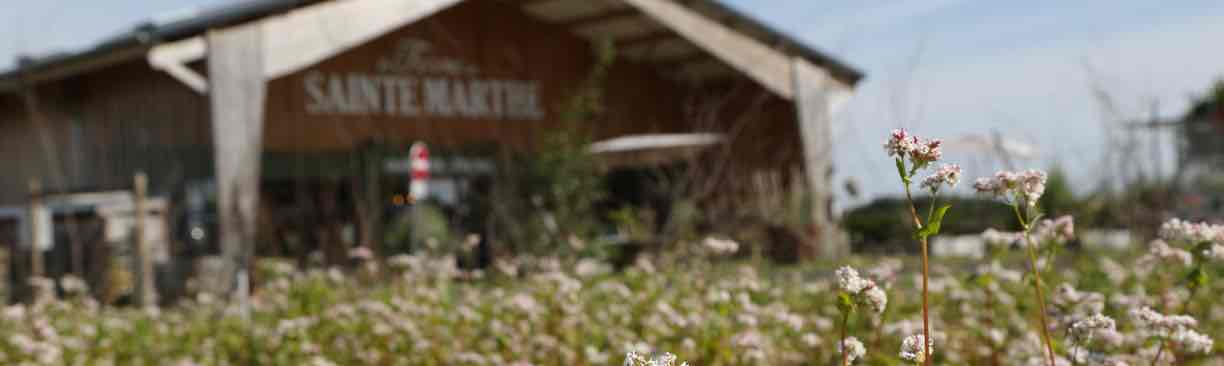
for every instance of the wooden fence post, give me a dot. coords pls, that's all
(36, 207)
(147, 289)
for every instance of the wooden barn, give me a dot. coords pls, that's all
(267, 103)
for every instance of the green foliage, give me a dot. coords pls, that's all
(548, 195)
(933, 223)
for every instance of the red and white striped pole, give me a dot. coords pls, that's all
(418, 156)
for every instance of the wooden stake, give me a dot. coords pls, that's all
(36, 258)
(147, 290)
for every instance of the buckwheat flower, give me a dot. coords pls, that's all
(901, 144)
(848, 280)
(1083, 330)
(876, 299)
(852, 348)
(1032, 185)
(912, 349)
(927, 152)
(1060, 229)
(666, 359)
(719, 246)
(947, 175)
(1028, 185)
(1161, 251)
(1151, 320)
(1193, 342)
(920, 152)
(1195, 232)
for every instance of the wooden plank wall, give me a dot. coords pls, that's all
(103, 127)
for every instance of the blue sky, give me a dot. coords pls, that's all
(939, 67)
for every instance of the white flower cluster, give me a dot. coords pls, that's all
(864, 290)
(1083, 330)
(719, 246)
(920, 152)
(1175, 328)
(1028, 185)
(947, 175)
(1178, 230)
(1149, 319)
(1160, 251)
(666, 359)
(853, 349)
(1059, 230)
(1192, 341)
(912, 348)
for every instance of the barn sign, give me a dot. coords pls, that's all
(411, 82)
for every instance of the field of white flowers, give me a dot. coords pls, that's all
(1032, 301)
(548, 311)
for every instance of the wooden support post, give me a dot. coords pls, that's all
(237, 90)
(817, 96)
(35, 223)
(147, 289)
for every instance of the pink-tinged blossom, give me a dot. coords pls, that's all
(1060, 229)
(1028, 185)
(928, 151)
(1178, 230)
(1032, 185)
(901, 144)
(863, 290)
(1193, 342)
(1160, 251)
(920, 152)
(947, 175)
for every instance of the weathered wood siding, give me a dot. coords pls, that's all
(102, 127)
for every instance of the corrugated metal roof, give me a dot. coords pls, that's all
(149, 33)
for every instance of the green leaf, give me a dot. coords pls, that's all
(845, 303)
(901, 171)
(932, 226)
(1197, 278)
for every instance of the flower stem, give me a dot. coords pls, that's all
(1159, 351)
(845, 324)
(926, 324)
(1028, 241)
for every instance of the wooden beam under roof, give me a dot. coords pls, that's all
(658, 35)
(600, 17)
(770, 68)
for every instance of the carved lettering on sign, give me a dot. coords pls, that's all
(410, 82)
